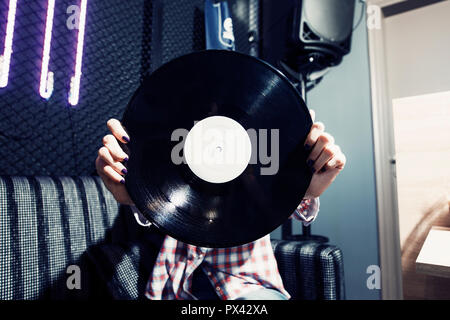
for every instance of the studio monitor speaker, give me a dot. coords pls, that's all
(303, 31)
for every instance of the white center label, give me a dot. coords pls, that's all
(217, 149)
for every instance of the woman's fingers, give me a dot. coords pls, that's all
(109, 162)
(117, 130)
(105, 155)
(337, 162)
(107, 172)
(112, 174)
(110, 142)
(328, 153)
(324, 153)
(111, 155)
(313, 114)
(323, 140)
(316, 130)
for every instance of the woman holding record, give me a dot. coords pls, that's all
(245, 272)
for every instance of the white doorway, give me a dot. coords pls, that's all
(410, 78)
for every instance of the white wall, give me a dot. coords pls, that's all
(417, 51)
(422, 147)
(417, 46)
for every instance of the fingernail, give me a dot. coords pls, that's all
(124, 171)
(126, 139)
(310, 163)
(323, 169)
(125, 159)
(313, 169)
(122, 181)
(307, 147)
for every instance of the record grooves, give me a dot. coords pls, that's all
(251, 95)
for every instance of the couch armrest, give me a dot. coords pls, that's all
(310, 270)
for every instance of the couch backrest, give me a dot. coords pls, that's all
(46, 224)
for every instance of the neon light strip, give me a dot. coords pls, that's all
(46, 84)
(74, 93)
(5, 59)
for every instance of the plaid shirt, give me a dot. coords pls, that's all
(232, 271)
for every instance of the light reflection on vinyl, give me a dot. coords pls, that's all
(216, 83)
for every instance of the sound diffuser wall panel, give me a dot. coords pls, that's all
(49, 135)
(73, 64)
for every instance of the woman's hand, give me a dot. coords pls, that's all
(109, 162)
(326, 159)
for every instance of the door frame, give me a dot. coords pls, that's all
(384, 157)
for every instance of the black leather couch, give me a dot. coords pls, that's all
(48, 224)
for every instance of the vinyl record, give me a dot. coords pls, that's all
(245, 123)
